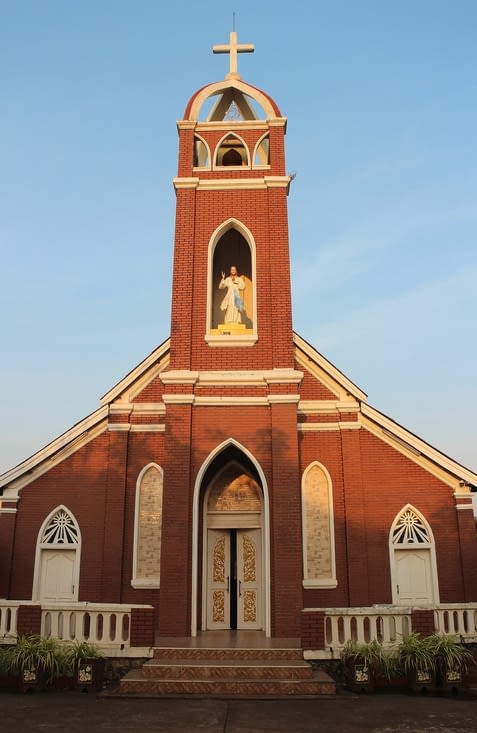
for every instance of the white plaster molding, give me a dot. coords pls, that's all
(421, 452)
(59, 449)
(148, 408)
(119, 427)
(311, 584)
(316, 427)
(465, 506)
(225, 401)
(120, 408)
(220, 87)
(145, 583)
(158, 357)
(328, 374)
(178, 399)
(148, 428)
(317, 407)
(281, 399)
(229, 184)
(185, 182)
(230, 340)
(201, 127)
(8, 511)
(179, 376)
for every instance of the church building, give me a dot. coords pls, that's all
(235, 479)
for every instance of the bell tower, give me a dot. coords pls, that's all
(231, 300)
(231, 387)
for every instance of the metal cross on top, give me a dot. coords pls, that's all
(233, 48)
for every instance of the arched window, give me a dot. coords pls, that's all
(412, 560)
(201, 153)
(57, 561)
(261, 156)
(232, 290)
(148, 528)
(231, 151)
(319, 566)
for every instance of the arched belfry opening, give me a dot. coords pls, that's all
(232, 517)
(232, 284)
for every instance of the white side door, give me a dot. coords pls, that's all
(413, 577)
(57, 576)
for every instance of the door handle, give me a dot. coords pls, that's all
(228, 584)
(240, 587)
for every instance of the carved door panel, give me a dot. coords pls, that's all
(218, 579)
(249, 579)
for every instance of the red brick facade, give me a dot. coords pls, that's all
(273, 405)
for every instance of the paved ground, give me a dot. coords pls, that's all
(74, 712)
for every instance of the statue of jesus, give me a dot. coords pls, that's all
(232, 303)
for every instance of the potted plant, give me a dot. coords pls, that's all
(38, 661)
(452, 660)
(417, 659)
(8, 680)
(364, 662)
(88, 664)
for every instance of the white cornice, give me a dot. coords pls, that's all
(318, 407)
(157, 357)
(232, 184)
(415, 448)
(329, 374)
(316, 427)
(53, 453)
(254, 378)
(264, 125)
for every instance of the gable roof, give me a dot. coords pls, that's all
(370, 418)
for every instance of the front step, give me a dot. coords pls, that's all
(227, 672)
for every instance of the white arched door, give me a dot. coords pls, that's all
(413, 562)
(57, 559)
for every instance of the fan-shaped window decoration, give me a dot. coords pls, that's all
(148, 528)
(318, 528)
(231, 151)
(201, 153)
(60, 530)
(410, 529)
(262, 152)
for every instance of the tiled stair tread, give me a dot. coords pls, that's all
(318, 675)
(204, 662)
(224, 653)
(134, 684)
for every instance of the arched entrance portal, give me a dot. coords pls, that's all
(231, 509)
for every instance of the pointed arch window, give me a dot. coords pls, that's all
(201, 153)
(231, 291)
(319, 565)
(148, 528)
(261, 156)
(231, 151)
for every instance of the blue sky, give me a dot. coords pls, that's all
(381, 106)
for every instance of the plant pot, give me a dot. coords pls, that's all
(360, 677)
(31, 679)
(89, 674)
(451, 680)
(422, 681)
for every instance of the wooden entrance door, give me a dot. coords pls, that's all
(413, 577)
(234, 579)
(57, 576)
